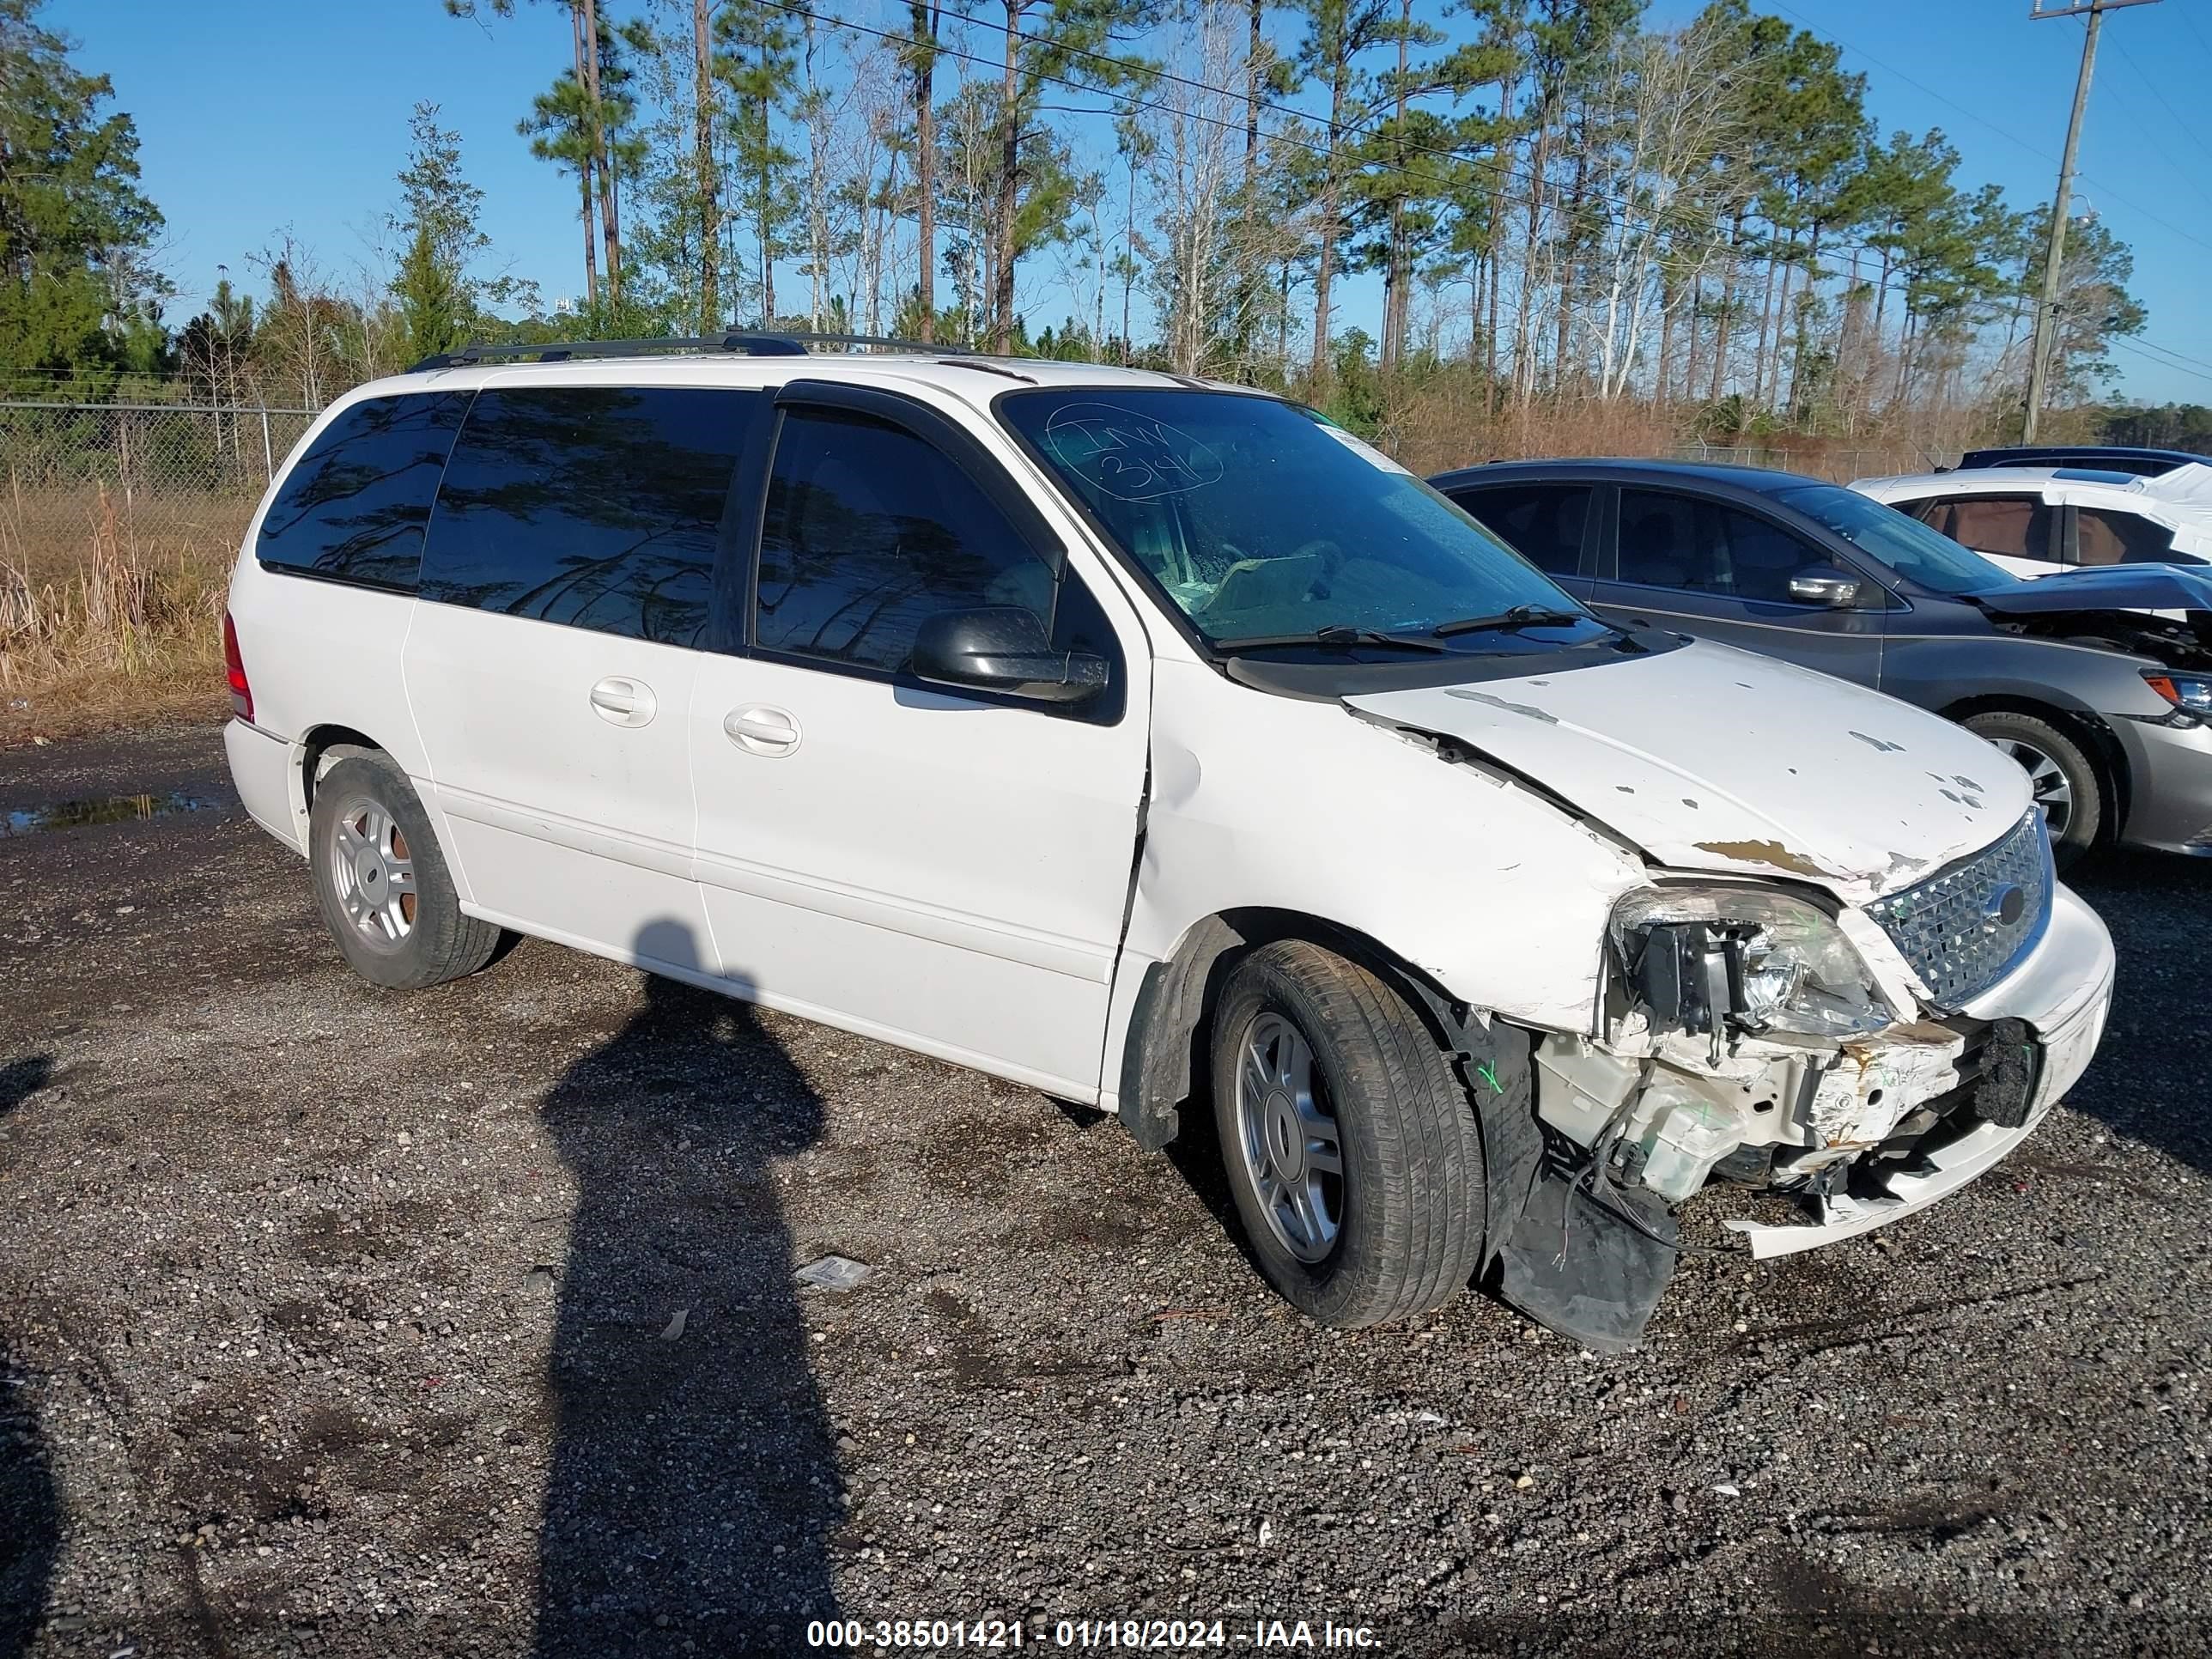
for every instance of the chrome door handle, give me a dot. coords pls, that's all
(761, 730)
(621, 701)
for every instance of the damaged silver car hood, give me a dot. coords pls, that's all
(1712, 758)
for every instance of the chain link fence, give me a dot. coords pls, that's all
(158, 482)
(1820, 459)
(118, 522)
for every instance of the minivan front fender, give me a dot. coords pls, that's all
(1303, 816)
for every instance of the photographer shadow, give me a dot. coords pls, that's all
(30, 1508)
(694, 1481)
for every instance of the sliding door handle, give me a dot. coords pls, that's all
(761, 730)
(621, 701)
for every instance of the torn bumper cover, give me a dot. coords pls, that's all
(1861, 1130)
(2062, 994)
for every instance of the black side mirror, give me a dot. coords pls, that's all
(1825, 585)
(1003, 647)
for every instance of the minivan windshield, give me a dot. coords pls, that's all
(1270, 528)
(1898, 539)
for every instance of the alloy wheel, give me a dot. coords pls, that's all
(1292, 1151)
(2052, 792)
(372, 872)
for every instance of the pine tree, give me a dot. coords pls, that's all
(441, 296)
(921, 58)
(74, 228)
(1045, 41)
(760, 68)
(1338, 32)
(560, 130)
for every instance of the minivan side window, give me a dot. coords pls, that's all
(354, 508)
(869, 531)
(1543, 523)
(594, 507)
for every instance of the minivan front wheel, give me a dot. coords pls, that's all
(1350, 1149)
(381, 881)
(2062, 778)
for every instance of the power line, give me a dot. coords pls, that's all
(2203, 374)
(1142, 71)
(2010, 137)
(2180, 357)
(1889, 68)
(1401, 171)
(2128, 57)
(2201, 39)
(1622, 221)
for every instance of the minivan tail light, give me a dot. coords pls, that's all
(242, 694)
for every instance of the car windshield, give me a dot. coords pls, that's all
(1898, 539)
(1265, 525)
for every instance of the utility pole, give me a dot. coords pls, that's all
(2046, 313)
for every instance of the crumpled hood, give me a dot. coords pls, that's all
(1712, 758)
(2102, 587)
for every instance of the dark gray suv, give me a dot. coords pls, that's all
(2098, 682)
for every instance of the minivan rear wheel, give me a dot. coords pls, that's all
(1352, 1151)
(2064, 779)
(381, 881)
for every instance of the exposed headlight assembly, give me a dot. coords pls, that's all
(1725, 960)
(2190, 693)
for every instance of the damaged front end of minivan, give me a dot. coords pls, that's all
(1746, 1038)
(1824, 997)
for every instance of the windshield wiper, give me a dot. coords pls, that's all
(1338, 639)
(1512, 621)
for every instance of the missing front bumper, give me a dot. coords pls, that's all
(2067, 1048)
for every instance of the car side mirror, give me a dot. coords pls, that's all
(1825, 585)
(1003, 647)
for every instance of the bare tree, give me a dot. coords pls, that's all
(1214, 253)
(1675, 111)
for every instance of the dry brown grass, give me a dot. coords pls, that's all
(107, 620)
(1432, 425)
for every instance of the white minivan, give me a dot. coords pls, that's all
(1156, 744)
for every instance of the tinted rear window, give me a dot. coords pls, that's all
(354, 508)
(596, 507)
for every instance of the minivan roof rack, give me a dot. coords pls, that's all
(750, 343)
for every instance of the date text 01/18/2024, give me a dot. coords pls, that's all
(1126, 1635)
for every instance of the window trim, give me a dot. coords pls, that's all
(952, 443)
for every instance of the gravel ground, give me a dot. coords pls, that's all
(334, 1321)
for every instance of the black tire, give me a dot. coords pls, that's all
(2090, 813)
(1411, 1194)
(390, 936)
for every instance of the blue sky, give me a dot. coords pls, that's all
(258, 115)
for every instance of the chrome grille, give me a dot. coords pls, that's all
(1960, 929)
